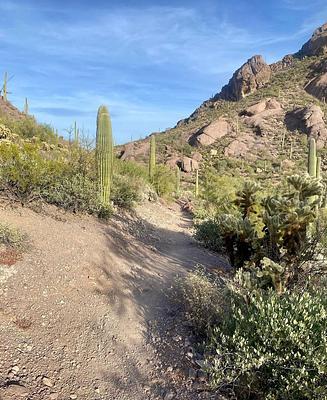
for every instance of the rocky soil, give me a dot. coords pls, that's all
(84, 313)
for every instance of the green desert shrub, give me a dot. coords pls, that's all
(164, 181)
(207, 232)
(126, 191)
(218, 192)
(272, 347)
(28, 128)
(75, 193)
(12, 237)
(25, 173)
(131, 169)
(202, 298)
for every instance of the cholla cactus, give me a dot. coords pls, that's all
(273, 235)
(5, 132)
(104, 153)
(152, 158)
(246, 198)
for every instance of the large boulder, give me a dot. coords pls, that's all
(309, 120)
(317, 45)
(256, 116)
(318, 87)
(239, 147)
(252, 75)
(210, 133)
(267, 106)
(285, 63)
(173, 161)
(188, 164)
(134, 150)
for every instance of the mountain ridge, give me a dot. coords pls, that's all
(298, 83)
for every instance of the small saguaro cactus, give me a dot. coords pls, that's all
(282, 144)
(104, 154)
(152, 157)
(197, 183)
(178, 181)
(4, 87)
(26, 107)
(318, 168)
(291, 150)
(312, 158)
(76, 133)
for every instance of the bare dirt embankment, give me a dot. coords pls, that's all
(82, 312)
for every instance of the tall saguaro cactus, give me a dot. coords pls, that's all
(178, 181)
(4, 87)
(312, 158)
(152, 158)
(104, 153)
(197, 183)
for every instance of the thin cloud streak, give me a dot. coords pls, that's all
(151, 64)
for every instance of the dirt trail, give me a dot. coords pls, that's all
(77, 311)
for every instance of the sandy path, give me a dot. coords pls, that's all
(75, 312)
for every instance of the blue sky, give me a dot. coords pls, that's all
(151, 62)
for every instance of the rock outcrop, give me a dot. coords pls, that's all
(308, 120)
(188, 164)
(285, 63)
(10, 111)
(239, 147)
(210, 133)
(317, 45)
(256, 115)
(252, 75)
(318, 87)
(134, 150)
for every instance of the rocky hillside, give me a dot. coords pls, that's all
(263, 116)
(9, 111)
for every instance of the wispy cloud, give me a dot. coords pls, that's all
(152, 64)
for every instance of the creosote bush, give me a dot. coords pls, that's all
(202, 298)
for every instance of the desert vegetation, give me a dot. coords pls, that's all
(264, 321)
(248, 170)
(38, 165)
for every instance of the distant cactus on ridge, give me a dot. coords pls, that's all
(152, 157)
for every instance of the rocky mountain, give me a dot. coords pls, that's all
(263, 115)
(317, 45)
(252, 75)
